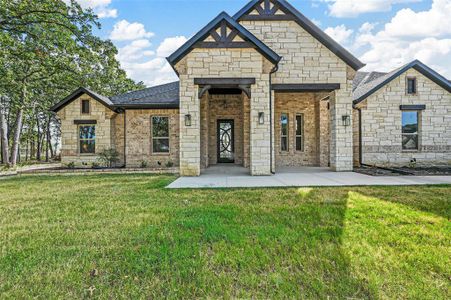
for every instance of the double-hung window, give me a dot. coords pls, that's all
(299, 132)
(284, 132)
(87, 139)
(160, 134)
(410, 130)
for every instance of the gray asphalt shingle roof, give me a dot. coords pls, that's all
(165, 95)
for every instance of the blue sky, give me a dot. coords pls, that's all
(384, 34)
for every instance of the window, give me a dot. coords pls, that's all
(160, 134)
(284, 132)
(85, 106)
(411, 85)
(299, 133)
(87, 139)
(410, 130)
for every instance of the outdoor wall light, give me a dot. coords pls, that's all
(346, 119)
(261, 118)
(188, 120)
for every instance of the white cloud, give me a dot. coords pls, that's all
(151, 67)
(339, 33)
(367, 27)
(100, 7)
(409, 35)
(124, 31)
(107, 13)
(169, 45)
(353, 8)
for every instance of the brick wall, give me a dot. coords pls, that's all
(315, 131)
(139, 140)
(381, 118)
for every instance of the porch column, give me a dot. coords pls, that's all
(189, 135)
(341, 135)
(259, 133)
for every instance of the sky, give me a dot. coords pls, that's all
(383, 34)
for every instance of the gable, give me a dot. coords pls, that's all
(362, 92)
(281, 10)
(79, 92)
(223, 32)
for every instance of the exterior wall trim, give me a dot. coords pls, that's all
(412, 107)
(306, 87)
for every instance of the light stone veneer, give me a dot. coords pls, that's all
(306, 60)
(381, 116)
(70, 132)
(221, 63)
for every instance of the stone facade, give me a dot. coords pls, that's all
(381, 123)
(315, 130)
(104, 118)
(223, 63)
(306, 60)
(139, 139)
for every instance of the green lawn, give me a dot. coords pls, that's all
(125, 236)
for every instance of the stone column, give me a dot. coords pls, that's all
(340, 136)
(259, 133)
(189, 135)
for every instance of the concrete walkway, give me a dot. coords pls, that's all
(225, 176)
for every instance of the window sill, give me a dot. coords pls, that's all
(410, 151)
(160, 153)
(87, 154)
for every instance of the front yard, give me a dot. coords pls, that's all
(125, 236)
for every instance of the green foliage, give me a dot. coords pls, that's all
(48, 49)
(109, 157)
(129, 237)
(144, 164)
(95, 165)
(71, 165)
(169, 164)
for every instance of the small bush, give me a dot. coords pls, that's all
(109, 157)
(144, 164)
(71, 165)
(169, 164)
(95, 165)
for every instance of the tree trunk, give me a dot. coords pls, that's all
(38, 139)
(48, 142)
(16, 140)
(18, 129)
(4, 134)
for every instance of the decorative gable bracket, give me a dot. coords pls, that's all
(267, 10)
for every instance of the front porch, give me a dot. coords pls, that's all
(233, 176)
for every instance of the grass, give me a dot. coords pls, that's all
(125, 236)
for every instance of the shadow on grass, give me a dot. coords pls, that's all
(244, 244)
(428, 198)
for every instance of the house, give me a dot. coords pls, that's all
(264, 89)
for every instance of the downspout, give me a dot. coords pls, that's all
(274, 70)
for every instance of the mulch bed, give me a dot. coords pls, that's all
(417, 171)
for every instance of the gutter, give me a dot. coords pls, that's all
(274, 70)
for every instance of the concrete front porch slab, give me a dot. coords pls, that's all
(233, 176)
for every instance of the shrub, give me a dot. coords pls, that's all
(95, 165)
(169, 164)
(71, 165)
(109, 157)
(144, 164)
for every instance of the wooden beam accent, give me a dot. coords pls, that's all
(215, 35)
(238, 45)
(246, 89)
(224, 81)
(85, 122)
(306, 87)
(412, 107)
(259, 9)
(203, 90)
(268, 18)
(232, 35)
